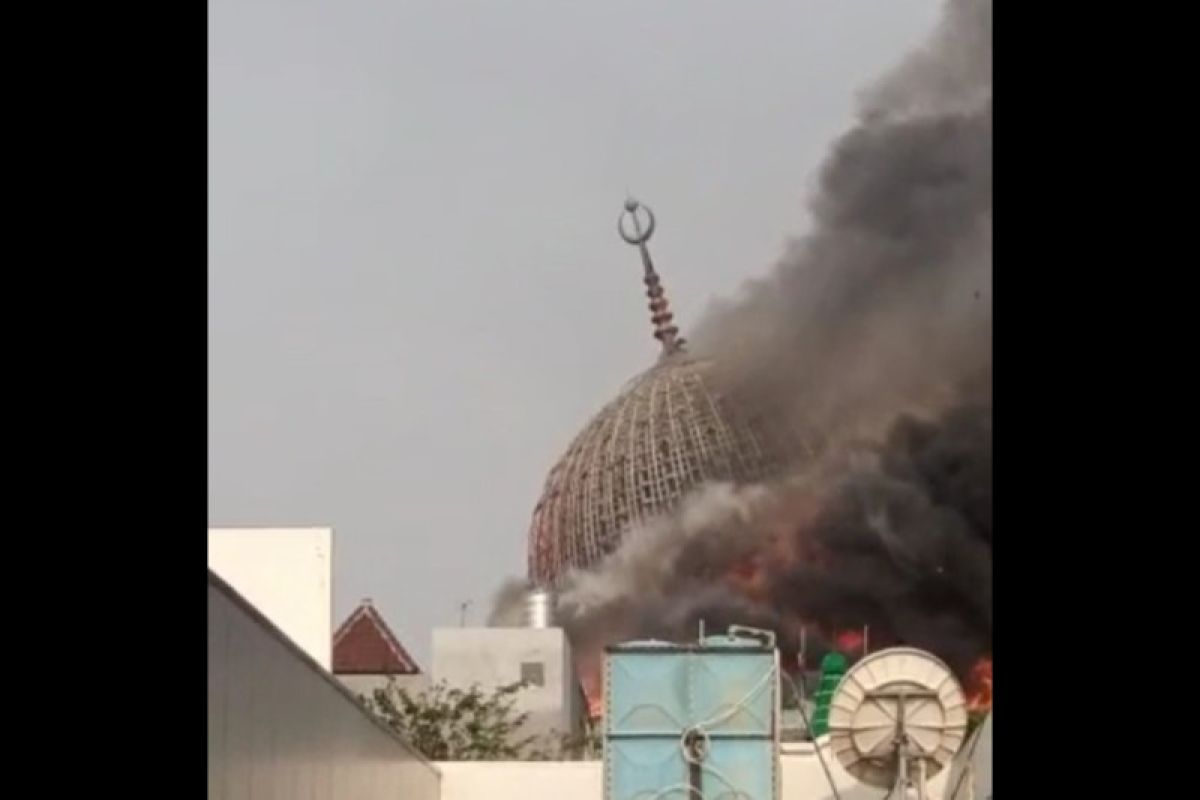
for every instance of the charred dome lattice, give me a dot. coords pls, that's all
(668, 431)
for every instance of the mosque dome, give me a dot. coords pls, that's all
(668, 431)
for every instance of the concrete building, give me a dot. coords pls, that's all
(284, 573)
(493, 657)
(279, 725)
(367, 655)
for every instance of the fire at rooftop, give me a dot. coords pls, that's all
(817, 456)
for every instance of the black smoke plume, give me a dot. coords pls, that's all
(904, 544)
(874, 334)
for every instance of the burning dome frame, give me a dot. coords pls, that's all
(668, 431)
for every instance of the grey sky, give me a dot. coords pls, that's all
(416, 292)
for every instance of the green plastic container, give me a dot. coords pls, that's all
(833, 667)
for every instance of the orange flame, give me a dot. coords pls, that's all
(749, 578)
(588, 668)
(850, 641)
(979, 685)
(785, 544)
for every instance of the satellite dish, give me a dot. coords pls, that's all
(897, 719)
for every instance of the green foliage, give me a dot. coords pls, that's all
(447, 724)
(582, 746)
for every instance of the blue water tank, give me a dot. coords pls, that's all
(699, 722)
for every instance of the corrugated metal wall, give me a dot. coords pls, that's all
(280, 728)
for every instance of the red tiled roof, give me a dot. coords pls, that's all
(365, 645)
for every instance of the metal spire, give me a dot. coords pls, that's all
(660, 313)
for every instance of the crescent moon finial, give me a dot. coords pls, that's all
(660, 314)
(640, 234)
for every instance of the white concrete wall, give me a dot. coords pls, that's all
(287, 574)
(522, 780)
(801, 778)
(492, 657)
(279, 726)
(971, 773)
